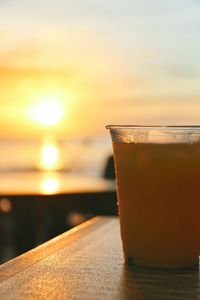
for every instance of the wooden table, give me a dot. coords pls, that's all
(87, 263)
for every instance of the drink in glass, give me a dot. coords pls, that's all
(158, 187)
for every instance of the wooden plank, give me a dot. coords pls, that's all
(87, 263)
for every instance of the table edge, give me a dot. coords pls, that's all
(26, 260)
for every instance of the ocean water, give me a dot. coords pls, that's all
(48, 166)
(81, 156)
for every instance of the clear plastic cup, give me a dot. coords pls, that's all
(158, 187)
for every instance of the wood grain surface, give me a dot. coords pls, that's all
(87, 263)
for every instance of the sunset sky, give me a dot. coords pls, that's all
(73, 66)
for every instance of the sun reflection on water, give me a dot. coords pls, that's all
(50, 184)
(49, 155)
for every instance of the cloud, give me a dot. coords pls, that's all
(19, 85)
(182, 71)
(6, 2)
(20, 51)
(11, 72)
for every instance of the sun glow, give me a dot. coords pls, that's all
(48, 113)
(49, 109)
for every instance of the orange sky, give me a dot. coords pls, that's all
(101, 63)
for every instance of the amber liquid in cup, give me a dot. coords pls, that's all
(158, 188)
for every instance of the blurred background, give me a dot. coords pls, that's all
(67, 68)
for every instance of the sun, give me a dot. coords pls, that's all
(48, 113)
(48, 110)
